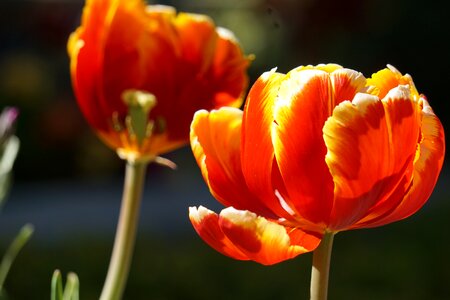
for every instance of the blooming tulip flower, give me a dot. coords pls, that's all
(316, 151)
(140, 72)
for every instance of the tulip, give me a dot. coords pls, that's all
(139, 74)
(316, 151)
(9, 148)
(8, 119)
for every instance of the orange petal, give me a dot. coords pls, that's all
(209, 69)
(198, 38)
(264, 241)
(123, 65)
(215, 142)
(85, 49)
(257, 148)
(427, 167)
(387, 79)
(206, 223)
(371, 147)
(329, 68)
(346, 83)
(305, 101)
(138, 54)
(229, 68)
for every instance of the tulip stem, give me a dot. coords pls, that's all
(321, 268)
(122, 253)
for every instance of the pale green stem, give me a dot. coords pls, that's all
(121, 257)
(321, 268)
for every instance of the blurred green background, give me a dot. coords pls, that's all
(68, 184)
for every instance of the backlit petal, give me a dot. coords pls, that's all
(141, 53)
(209, 72)
(264, 241)
(228, 68)
(85, 48)
(206, 223)
(257, 148)
(197, 39)
(305, 101)
(138, 53)
(371, 148)
(427, 166)
(385, 80)
(215, 142)
(329, 68)
(346, 83)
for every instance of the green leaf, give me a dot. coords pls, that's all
(17, 244)
(56, 288)
(71, 289)
(72, 286)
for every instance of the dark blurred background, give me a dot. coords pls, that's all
(68, 184)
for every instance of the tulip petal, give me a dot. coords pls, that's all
(142, 55)
(426, 171)
(215, 142)
(305, 101)
(210, 72)
(346, 83)
(85, 50)
(198, 38)
(387, 79)
(264, 241)
(257, 148)
(229, 69)
(206, 223)
(329, 68)
(371, 148)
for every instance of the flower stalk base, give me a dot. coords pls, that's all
(321, 268)
(126, 231)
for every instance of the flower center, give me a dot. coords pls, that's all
(137, 121)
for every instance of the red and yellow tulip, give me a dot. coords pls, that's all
(317, 150)
(140, 72)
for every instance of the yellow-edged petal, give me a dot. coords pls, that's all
(305, 101)
(206, 223)
(385, 80)
(346, 84)
(257, 149)
(427, 166)
(215, 142)
(262, 240)
(329, 68)
(371, 148)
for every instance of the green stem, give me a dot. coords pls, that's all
(119, 264)
(321, 267)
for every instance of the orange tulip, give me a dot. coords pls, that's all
(318, 150)
(140, 72)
